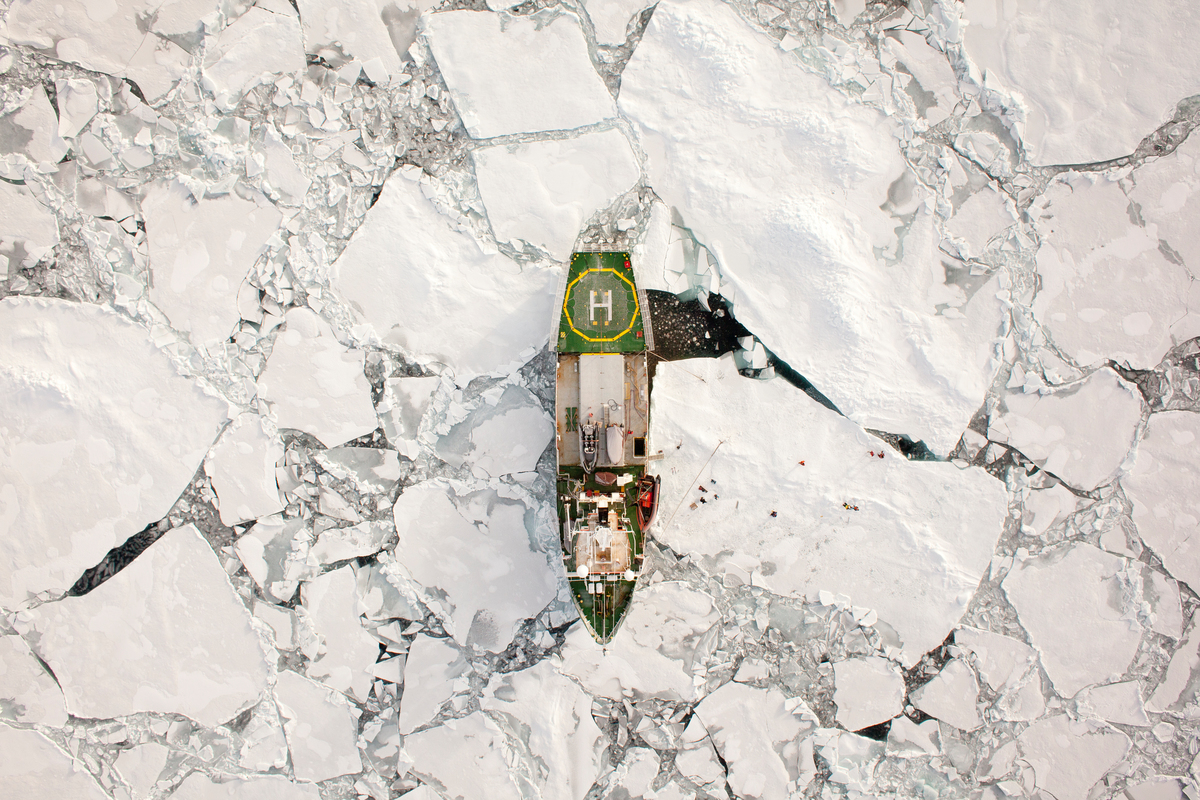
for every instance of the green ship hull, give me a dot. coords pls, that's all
(602, 415)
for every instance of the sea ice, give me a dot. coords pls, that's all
(1179, 687)
(697, 757)
(1119, 703)
(401, 409)
(350, 652)
(1162, 487)
(501, 439)
(1064, 599)
(199, 786)
(914, 549)
(343, 30)
(611, 18)
(951, 696)
(907, 738)
(548, 713)
(517, 74)
(33, 767)
(664, 635)
(430, 673)
(1010, 668)
(867, 691)
(321, 728)
(200, 252)
(1108, 289)
(1060, 430)
(980, 217)
(77, 104)
(274, 552)
(339, 544)
(28, 693)
(179, 639)
(102, 436)
(140, 767)
(35, 130)
(771, 169)
(542, 192)
(929, 67)
(262, 42)
(1095, 77)
(636, 773)
(1067, 757)
(442, 297)
(370, 469)
(464, 758)
(242, 469)
(315, 384)
(757, 732)
(1164, 191)
(28, 231)
(472, 561)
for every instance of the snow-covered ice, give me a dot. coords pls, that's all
(517, 74)
(1094, 78)
(1067, 757)
(200, 252)
(342, 32)
(1057, 430)
(199, 786)
(500, 439)
(782, 178)
(472, 559)
(543, 192)
(349, 651)
(430, 673)
(34, 767)
(1010, 668)
(141, 766)
(242, 468)
(315, 384)
(1161, 484)
(263, 42)
(28, 693)
(321, 728)
(951, 696)
(611, 18)
(180, 639)
(431, 290)
(465, 757)
(29, 230)
(102, 434)
(1069, 601)
(1119, 703)
(914, 550)
(867, 691)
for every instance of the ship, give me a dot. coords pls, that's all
(606, 496)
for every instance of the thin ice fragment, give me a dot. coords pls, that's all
(242, 468)
(321, 728)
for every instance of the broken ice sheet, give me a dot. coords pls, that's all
(442, 297)
(28, 693)
(867, 691)
(666, 634)
(1069, 600)
(402, 408)
(315, 384)
(1162, 487)
(1068, 757)
(1094, 77)
(103, 435)
(471, 558)
(611, 18)
(951, 696)
(543, 191)
(464, 757)
(1010, 668)
(200, 252)
(913, 550)
(242, 469)
(28, 230)
(342, 32)
(263, 41)
(33, 131)
(34, 767)
(179, 639)
(551, 716)
(1080, 433)
(500, 439)
(140, 767)
(199, 786)
(430, 674)
(771, 167)
(517, 74)
(349, 651)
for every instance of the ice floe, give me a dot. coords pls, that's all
(401, 409)
(349, 652)
(28, 693)
(951, 696)
(517, 74)
(783, 179)
(1161, 485)
(1057, 429)
(1068, 600)
(611, 18)
(430, 676)
(242, 468)
(34, 767)
(141, 766)
(200, 252)
(500, 439)
(826, 508)
(438, 295)
(1095, 78)
(102, 436)
(263, 42)
(542, 192)
(867, 691)
(357, 31)
(1119, 703)
(199, 786)
(315, 384)
(1010, 668)
(29, 230)
(464, 757)
(321, 728)
(1067, 757)
(180, 639)
(471, 559)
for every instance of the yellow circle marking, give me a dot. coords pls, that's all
(637, 307)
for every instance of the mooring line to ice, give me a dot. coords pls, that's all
(698, 473)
